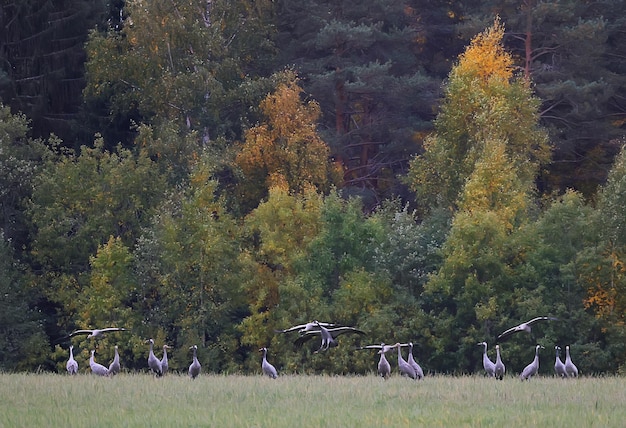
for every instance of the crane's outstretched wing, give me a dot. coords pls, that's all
(96, 332)
(334, 332)
(536, 320)
(505, 334)
(525, 326)
(302, 328)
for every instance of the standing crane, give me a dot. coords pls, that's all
(531, 369)
(71, 365)
(488, 365)
(267, 368)
(500, 368)
(114, 367)
(96, 368)
(194, 368)
(570, 367)
(404, 367)
(164, 362)
(153, 362)
(418, 369)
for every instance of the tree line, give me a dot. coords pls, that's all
(223, 169)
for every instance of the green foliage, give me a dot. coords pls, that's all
(343, 243)
(482, 162)
(410, 251)
(191, 271)
(286, 223)
(484, 105)
(81, 200)
(601, 268)
(19, 163)
(362, 62)
(182, 62)
(22, 338)
(111, 286)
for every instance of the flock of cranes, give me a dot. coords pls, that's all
(497, 369)
(327, 333)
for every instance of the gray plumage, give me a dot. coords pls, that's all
(97, 333)
(153, 362)
(194, 368)
(71, 365)
(310, 326)
(531, 369)
(570, 367)
(525, 326)
(96, 368)
(488, 365)
(165, 365)
(404, 367)
(418, 370)
(500, 368)
(559, 367)
(267, 368)
(328, 336)
(114, 367)
(384, 368)
(382, 346)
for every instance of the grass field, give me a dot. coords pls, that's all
(139, 400)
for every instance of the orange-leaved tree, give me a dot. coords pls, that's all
(286, 147)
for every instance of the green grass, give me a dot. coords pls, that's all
(139, 400)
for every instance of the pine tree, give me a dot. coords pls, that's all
(361, 62)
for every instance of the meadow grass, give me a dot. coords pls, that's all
(140, 400)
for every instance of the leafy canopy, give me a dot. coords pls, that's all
(286, 147)
(484, 105)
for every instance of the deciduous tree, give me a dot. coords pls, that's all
(484, 103)
(286, 147)
(481, 163)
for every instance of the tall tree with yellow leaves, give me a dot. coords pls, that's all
(481, 163)
(484, 102)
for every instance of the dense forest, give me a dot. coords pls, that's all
(207, 171)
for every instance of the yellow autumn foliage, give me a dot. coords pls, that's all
(486, 58)
(286, 150)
